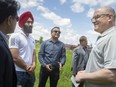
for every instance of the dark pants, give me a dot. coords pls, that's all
(44, 74)
(24, 79)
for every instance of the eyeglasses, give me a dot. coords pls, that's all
(98, 16)
(57, 31)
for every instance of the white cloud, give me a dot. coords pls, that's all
(77, 7)
(29, 3)
(39, 30)
(86, 2)
(43, 9)
(62, 1)
(89, 2)
(90, 12)
(106, 2)
(57, 20)
(69, 36)
(62, 22)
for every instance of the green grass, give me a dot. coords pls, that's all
(65, 73)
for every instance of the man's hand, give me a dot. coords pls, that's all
(60, 65)
(30, 70)
(79, 76)
(48, 67)
(27, 67)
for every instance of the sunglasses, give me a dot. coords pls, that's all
(57, 31)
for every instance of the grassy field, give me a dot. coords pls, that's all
(65, 73)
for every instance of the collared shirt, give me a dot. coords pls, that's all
(25, 45)
(52, 53)
(103, 55)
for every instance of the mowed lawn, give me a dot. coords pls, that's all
(65, 73)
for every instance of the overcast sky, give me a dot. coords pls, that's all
(72, 16)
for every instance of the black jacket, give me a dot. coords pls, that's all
(7, 69)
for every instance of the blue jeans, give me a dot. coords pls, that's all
(24, 79)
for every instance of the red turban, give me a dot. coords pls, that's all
(24, 17)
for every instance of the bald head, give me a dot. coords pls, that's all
(108, 10)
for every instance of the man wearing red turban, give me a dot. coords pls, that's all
(24, 17)
(22, 46)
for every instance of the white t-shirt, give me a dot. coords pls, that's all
(25, 45)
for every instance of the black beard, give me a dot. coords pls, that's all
(27, 30)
